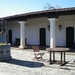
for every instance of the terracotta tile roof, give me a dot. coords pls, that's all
(40, 12)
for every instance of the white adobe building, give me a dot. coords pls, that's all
(52, 28)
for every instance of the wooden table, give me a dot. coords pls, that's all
(62, 55)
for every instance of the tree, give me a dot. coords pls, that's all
(50, 7)
(3, 28)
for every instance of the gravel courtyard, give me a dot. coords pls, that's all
(22, 63)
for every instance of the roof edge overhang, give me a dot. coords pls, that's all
(53, 13)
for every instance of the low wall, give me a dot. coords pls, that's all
(5, 53)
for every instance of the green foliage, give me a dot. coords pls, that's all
(2, 43)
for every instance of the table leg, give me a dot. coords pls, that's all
(64, 57)
(61, 58)
(50, 57)
(53, 56)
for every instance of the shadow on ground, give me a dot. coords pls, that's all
(30, 47)
(25, 63)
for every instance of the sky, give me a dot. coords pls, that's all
(13, 7)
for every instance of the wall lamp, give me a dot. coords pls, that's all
(60, 27)
(48, 27)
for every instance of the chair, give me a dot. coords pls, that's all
(38, 55)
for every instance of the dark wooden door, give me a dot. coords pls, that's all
(42, 37)
(69, 37)
(10, 36)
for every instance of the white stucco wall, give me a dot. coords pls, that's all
(33, 25)
(65, 21)
(31, 34)
(32, 30)
(71, 24)
(2, 38)
(15, 27)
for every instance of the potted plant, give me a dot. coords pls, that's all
(5, 53)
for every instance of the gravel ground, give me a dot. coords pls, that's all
(22, 63)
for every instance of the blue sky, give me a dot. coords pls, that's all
(12, 7)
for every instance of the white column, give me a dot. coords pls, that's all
(52, 32)
(22, 34)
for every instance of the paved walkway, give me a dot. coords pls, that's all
(22, 64)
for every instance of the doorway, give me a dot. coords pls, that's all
(69, 37)
(42, 37)
(10, 36)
